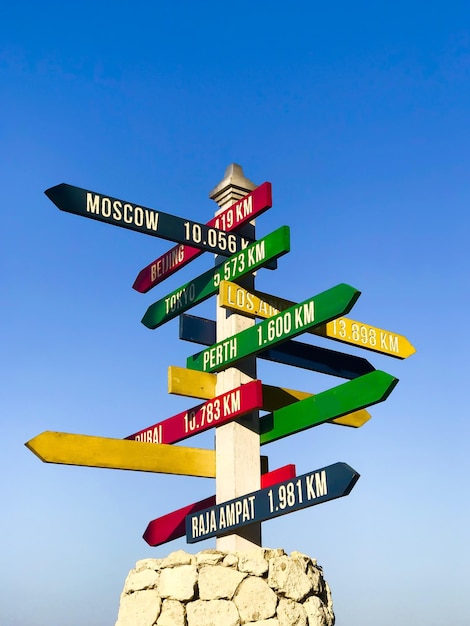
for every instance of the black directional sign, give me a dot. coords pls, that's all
(327, 483)
(144, 220)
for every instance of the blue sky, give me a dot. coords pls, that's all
(359, 117)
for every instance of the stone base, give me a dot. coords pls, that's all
(213, 588)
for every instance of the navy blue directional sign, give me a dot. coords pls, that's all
(327, 483)
(294, 353)
(144, 220)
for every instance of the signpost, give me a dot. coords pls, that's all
(245, 496)
(185, 382)
(294, 353)
(172, 525)
(322, 485)
(70, 449)
(342, 329)
(239, 213)
(214, 412)
(248, 260)
(144, 220)
(285, 325)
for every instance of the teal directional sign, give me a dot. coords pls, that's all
(351, 396)
(144, 220)
(327, 483)
(248, 260)
(287, 324)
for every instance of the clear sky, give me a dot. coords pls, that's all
(358, 114)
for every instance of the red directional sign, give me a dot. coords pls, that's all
(248, 207)
(224, 408)
(172, 525)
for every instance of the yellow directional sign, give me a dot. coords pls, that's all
(69, 449)
(186, 382)
(343, 329)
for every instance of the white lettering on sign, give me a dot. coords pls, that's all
(388, 342)
(167, 262)
(180, 298)
(320, 485)
(119, 212)
(304, 314)
(224, 517)
(365, 335)
(235, 214)
(152, 435)
(221, 352)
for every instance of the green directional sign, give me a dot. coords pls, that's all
(287, 324)
(355, 394)
(244, 262)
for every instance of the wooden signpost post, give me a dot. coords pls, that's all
(223, 374)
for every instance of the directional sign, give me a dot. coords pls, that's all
(70, 449)
(144, 220)
(172, 525)
(185, 382)
(219, 410)
(270, 333)
(327, 483)
(246, 209)
(345, 330)
(248, 260)
(294, 353)
(351, 396)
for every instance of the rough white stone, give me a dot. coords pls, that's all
(287, 576)
(209, 557)
(317, 616)
(143, 579)
(300, 555)
(212, 613)
(255, 600)
(172, 614)
(180, 557)
(141, 608)
(212, 589)
(231, 560)
(178, 583)
(154, 564)
(290, 613)
(217, 582)
(253, 562)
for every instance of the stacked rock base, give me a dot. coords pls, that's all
(212, 588)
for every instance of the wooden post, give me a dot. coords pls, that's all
(237, 443)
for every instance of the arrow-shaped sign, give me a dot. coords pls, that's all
(216, 411)
(293, 353)
(70, 449)
(342, 329)
(244, 210)
(185, 382)
(322, 485)
(244, 262)
(274, 331)
(144, 220)
(172, 525)
(327, 405)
